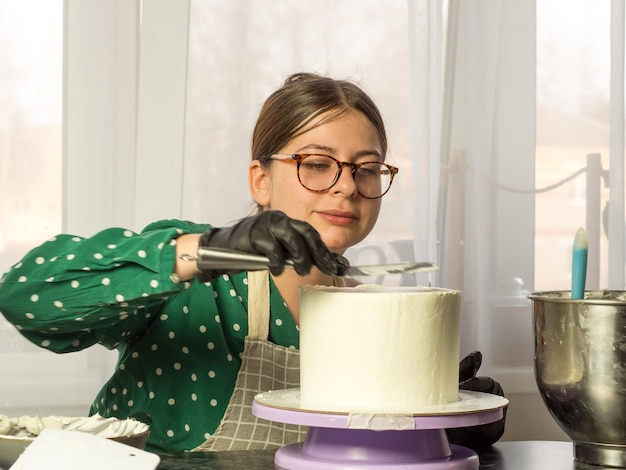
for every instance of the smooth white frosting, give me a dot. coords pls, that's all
(378, 349)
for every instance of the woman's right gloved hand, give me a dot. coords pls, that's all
(279, 238)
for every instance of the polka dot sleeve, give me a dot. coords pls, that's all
(72, 292)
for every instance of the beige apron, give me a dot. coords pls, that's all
(264, 366)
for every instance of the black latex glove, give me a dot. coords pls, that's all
(468, 380)
(279, 238)
(485, 434)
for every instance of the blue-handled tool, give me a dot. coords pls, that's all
(579, 264)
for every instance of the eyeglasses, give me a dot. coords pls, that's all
(319, 173)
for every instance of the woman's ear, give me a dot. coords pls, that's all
(259, 182)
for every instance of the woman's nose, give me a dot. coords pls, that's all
(346, 183)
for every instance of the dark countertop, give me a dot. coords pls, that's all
(236, 460)
(514, 455)
(531, 455)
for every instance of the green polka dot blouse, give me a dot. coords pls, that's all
(179, 343)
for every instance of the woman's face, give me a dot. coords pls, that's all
(341, 215)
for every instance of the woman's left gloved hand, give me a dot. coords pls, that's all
(468, 380)
(485, 434)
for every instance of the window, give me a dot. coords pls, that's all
(30, 124)
(573, 104)
(30, 137)
(31, 54)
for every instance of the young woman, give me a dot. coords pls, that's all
(197, 342)
(317, 175)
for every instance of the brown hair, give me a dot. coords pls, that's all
(303, 97)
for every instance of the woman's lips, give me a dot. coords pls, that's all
(338, 217)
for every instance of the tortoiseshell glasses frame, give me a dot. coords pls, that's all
(319, 173)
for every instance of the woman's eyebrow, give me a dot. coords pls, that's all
(366, 153)
(333, 151)
(321, 148)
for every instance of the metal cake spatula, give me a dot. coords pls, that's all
(228, 260)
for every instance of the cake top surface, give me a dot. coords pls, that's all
(375, 288)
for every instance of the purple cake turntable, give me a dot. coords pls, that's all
(351, 441)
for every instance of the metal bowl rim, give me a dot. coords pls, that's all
(556, 296)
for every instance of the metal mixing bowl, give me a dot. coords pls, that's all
(580, 368)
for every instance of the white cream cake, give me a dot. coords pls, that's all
(378, 349)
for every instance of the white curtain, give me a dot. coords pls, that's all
(426, 26)
(489, 224)
(472, 143)
(486, 226)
